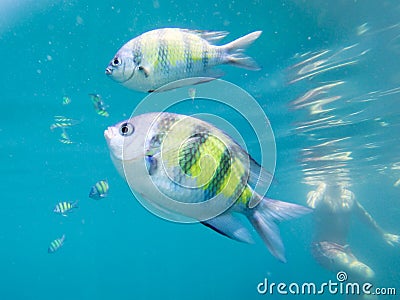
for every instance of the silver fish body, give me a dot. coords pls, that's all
(161, 56)
(190, 161)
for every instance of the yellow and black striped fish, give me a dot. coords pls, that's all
(65, 207)
(64, 138)
(162, 56)
(99, 190)
(56, 244)
(99, 106)
(185, 166)
(63, 122)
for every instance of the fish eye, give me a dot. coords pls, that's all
(126, 129)
(116, 61)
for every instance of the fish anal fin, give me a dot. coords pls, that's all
(229, 226)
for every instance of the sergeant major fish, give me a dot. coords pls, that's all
(99, 105)
(162, 56)
(62, 122)
(142, 140)
(99, 190)
(56, 244)
(65, 207)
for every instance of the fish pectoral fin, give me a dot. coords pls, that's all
(145, 70)
(151, 164)
(226, 224)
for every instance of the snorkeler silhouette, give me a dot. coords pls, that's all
(334, 207)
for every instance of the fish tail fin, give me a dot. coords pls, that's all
(265, 218)
(235, 49)
(75, 204)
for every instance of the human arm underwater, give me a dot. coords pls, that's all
(391, 239)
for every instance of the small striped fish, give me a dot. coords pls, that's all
(191, 161)
(56, 244)
(99, 190)
(64, 137)
(63, 122)
(63, 208)
(162, 56)
(99, 106)
(66, 100)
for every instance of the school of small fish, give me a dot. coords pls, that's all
(63, 123)
(97, 191)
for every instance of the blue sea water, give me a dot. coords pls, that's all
(116, 249)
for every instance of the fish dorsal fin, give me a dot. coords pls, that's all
(259, 177)
(151, 164)
(210, 36)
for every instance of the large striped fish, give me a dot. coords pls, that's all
(162, 56)
(190, 162)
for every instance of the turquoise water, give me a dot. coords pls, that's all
(114, 248)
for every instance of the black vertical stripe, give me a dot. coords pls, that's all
(137, 52)
(188, 55)
(204, 56)
(218, 179)
(191, 152)
(162, 57)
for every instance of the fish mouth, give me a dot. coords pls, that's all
(109, 71)
(109, 133)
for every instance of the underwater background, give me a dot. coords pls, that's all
(116, 249)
